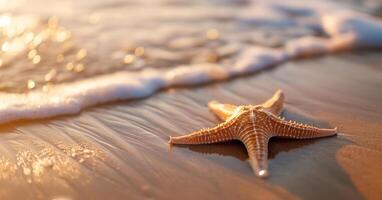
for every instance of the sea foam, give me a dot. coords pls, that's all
(343, 30)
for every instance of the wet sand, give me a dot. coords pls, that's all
(120, 150)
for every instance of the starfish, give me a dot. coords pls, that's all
(253, 125)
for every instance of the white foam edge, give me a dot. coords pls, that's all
(346, 30)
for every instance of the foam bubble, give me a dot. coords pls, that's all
(366, 30)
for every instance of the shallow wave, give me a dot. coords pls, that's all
(343, 29)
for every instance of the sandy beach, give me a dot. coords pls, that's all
(120, 149)
(91, 91)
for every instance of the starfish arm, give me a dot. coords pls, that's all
(216, 134)
(257, 148)
(291, 129)
(275, 104)
(223, 111)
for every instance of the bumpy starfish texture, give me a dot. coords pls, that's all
(254, 126)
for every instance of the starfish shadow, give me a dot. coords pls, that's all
(236, 149)
(294, 164)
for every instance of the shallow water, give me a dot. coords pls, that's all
(79, 39)
(203, 54)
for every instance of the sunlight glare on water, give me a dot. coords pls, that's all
(68, 41)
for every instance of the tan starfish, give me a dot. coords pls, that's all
(254, 126)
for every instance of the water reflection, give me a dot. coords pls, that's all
(65, 161)
(29, 46)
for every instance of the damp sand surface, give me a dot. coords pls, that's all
(119, 150)
(77, 54)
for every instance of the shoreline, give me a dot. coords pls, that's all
(120, 149)
(344, 30)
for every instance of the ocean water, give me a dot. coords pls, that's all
(70, 55)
